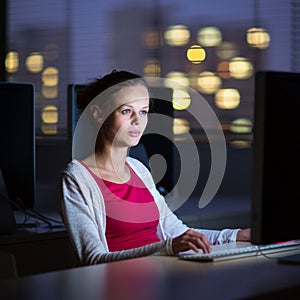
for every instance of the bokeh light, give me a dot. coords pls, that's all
(196, 54)
(209, 36)
(177, 35)
(228, 98)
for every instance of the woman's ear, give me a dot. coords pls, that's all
(96, 113)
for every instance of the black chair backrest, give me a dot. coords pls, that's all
(139, 152)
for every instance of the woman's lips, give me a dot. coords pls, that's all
(134, 133)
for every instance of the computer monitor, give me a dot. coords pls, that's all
(276, 158)
(17, 136)
(153, 143)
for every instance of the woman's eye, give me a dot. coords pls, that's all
(125, 111)
(143, 112)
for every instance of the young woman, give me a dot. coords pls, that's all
(109, 201)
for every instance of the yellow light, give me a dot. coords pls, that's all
(196, 54)
(35, 62)
(226, 50)
(50, 76)
(240, 68)
(208, 82)
(12, 62)
(241, 125)
(50, 114)
(49, 92)
(258, 37)
(180, 126)
(181, 99)
(240, 144)
(177, 35)
(227, 98)
(178, 77)
(152, 68)
(49, 129)
(209, 36)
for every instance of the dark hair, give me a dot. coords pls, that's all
(94, 88)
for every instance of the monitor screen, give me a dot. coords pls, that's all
(276, 158)
(17, 136)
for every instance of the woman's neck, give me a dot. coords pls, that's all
(111, 158)
(110, 164)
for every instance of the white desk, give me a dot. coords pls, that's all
(158, 277)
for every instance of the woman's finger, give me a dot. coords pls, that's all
(197, 242)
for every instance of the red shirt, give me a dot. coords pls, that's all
(131, 214)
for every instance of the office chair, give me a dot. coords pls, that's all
(140, 153)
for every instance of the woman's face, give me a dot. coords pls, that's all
(125, 126)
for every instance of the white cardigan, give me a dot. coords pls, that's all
(83, 212)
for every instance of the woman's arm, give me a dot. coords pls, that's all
(159, 247)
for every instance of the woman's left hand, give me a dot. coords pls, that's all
(244, 235)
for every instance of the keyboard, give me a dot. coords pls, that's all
(238, 250)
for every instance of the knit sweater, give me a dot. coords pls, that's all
(83, 212)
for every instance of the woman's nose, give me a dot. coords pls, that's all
(135, 118)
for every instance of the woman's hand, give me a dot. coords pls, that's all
(191, 240)
(244, 235)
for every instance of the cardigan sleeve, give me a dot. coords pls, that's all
(79, 221)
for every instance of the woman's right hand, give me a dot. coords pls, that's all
(191, 240)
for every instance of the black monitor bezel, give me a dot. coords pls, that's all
(274, 216)
(19, 172)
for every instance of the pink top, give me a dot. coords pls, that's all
(132, 215)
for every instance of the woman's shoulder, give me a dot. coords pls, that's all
(74, 163)
(76, 171)
(73, 167)
(137, 166)
(142, 171)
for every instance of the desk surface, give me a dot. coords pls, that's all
(160, 277)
